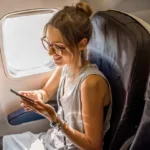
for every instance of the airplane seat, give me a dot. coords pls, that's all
(142, 136)
(120, 48)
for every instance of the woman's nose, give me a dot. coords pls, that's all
(51, 52)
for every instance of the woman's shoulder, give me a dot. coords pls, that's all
(94, 80)
(91, 69)
(99, 85)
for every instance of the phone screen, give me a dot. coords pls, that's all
(22, 96)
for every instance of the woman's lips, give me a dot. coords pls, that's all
(57, 58)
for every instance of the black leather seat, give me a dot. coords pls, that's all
(141, 139)
(120, 48)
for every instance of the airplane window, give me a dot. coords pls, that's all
(22, 48)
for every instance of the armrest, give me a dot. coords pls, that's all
(21, 116)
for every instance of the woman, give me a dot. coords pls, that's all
(83, 93)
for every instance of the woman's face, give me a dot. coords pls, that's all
(57, 48)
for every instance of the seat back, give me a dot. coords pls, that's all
(143, 131)
(120, 48)
(142, 136)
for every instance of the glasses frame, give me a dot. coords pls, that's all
(55, 48)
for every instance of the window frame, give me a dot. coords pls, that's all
(2, 53)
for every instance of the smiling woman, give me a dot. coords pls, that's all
(83, 92)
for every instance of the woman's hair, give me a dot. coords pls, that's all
(74, 24)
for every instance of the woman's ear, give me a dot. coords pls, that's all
(82, 44)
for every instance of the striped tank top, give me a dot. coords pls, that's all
(69, 109)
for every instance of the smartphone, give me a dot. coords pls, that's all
(22, 96)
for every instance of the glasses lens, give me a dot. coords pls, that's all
(57, 50)
(45, 44)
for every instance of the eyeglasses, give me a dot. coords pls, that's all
(57, 49)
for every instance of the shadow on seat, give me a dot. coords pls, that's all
(120, 48)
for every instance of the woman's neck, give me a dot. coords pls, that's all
(85, 63)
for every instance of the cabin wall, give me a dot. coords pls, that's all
(130, 6)
(139, 8)
(123, 5)
(133, 5)
(7, 6)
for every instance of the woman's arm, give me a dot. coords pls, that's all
(50, 88)
(94, 90)
(94, 95)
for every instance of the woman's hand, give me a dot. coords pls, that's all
(34, 95)
(39, 107)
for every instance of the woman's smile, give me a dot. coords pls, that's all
(57, 58)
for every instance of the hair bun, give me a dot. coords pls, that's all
(83, 6)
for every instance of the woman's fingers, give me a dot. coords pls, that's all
(40, 108)
(40, 103)
(47, 110)
(31, 94)
(27, 93)
(27, 107)
(31, 105)
(43, 106)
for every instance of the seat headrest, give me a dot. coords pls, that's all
(114, 43)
